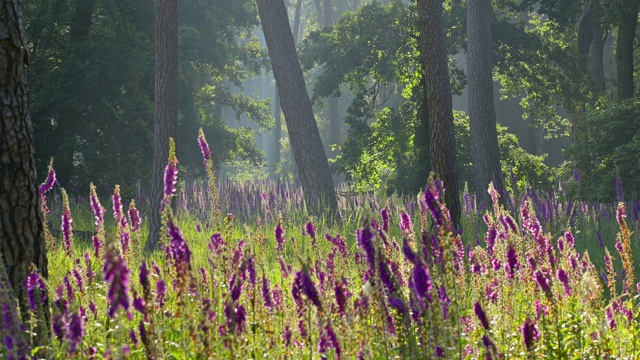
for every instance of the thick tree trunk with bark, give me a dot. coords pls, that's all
(165, 119)
(442, 140)
(22, 241)
(624, 48)
(482, 116)
(311, 161)
(333, 105)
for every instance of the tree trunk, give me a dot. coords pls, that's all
(624, 48)
(482, 116)
(22, 241)
(165, 119)
(333, 105)
(441, 132)
(311, 161)
(278, 129)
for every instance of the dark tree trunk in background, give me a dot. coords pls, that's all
(442, 140)
(624, 48)
(482, 116)
(311, 161)
(277, 110)
(165, 119)
(277, 133)
(591, 39)
(333, 106)
(22, 241)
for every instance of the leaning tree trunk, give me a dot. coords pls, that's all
(165, 119)
(442, 140)
(308, 152)
(624, 48)
(22, 241)
(482, 115)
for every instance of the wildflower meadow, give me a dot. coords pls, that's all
(244, 273)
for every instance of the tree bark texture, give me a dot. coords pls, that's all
(624, 48)
(482, 116)
(441, 132)
(333, 105)
(22, 241)
(165, 119)
(308, 152)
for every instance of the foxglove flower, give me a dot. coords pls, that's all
(75, 331)
(134, 217)
(96, 207)
(161, 289)
(308, 288)
(405, 223)
(266, 294)
(310, 229)
(116, 201)
(421, 281)
(48, 182)
(204, 148)
(279, 233)
(384, 215)
(482, 316)
(543, 281)
(444, 301)
(610, 318)
(116, 274)
(67, 220)
(529, 334)
(178, 250)
(365, 241)
(564, 279)
(512, 262)
(34, 282)
(171, 171)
